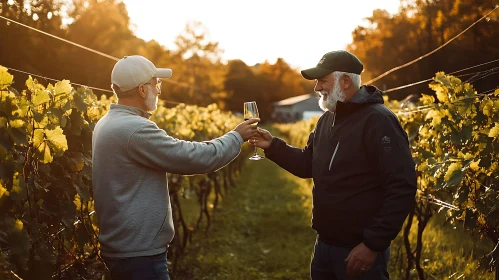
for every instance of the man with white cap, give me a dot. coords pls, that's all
(130, 157)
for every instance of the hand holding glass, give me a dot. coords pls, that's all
(251, 111)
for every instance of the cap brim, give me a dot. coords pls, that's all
(315, 73)
(164, 73)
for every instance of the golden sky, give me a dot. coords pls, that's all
(254, 31)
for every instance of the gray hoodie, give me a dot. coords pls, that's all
(130, 158)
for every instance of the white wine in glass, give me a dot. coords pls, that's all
(251, 111)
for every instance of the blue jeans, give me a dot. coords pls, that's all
(138, 268)
(328, 263)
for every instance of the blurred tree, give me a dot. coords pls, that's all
(196, 64)
(103, 26)
(241, 85)
(26, 49)
(419, 27)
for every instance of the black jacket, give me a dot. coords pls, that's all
(363, 171)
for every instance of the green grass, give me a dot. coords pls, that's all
(261, 231)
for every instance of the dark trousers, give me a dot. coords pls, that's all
(328, 263)
(138, 268)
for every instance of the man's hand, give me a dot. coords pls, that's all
(247, 129)
(262, 140)
(360, 260)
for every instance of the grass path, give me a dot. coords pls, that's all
(261, 231)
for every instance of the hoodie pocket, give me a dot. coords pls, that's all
(161, 227)
(334, 155)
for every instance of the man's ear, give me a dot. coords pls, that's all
(347, 82)
(142, 92)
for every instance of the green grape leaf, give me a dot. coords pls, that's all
(62, 87)
(23, 107)
(5, 78)
(454, 174)
(40, 97)
(77, 122)
(77, 161)
(38, 137)
(488, 108)
(16, 123)
(79, 99)
(6, 142)
(57, 140)
(18, 191)
(67, 106)
(3, 190)
(19, 240)
(18, 135)
(38, 116)
(494, 132)
(82, 190)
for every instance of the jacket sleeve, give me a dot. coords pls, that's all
(150, 146)
(295, 160)
(388, 149)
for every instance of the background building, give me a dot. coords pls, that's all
(296, 108)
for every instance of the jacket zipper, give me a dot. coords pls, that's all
(334, 154)
(332, 125)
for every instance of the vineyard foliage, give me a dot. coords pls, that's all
(454, 139)
(45, 172)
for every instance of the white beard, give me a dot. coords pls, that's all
(332, 97)
(151, 101)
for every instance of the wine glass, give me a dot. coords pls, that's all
(251, 111)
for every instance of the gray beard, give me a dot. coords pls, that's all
(334, 95)
(151, 101)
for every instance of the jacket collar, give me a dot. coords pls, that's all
(364, 96)
(130, 109)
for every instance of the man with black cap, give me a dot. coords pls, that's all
(130, 157)
(364, 175)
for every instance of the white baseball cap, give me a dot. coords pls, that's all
(131, 71)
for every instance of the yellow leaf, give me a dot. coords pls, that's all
(45, 153)
(40, 97)
(18, 185)
(38, 138)
(493, 168)
(474, 165)
(442, 94)
(22, 105)
(57, 140)
(5, 78)
(3, 190)
(422, 166)
(19, 225)
(16, 123)
(494, 132)
(427, 99)
(496, 92)
(488, 108)
(33, 85)
(452, 167)
(62, 87)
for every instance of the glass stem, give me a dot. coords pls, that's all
(255, 152)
